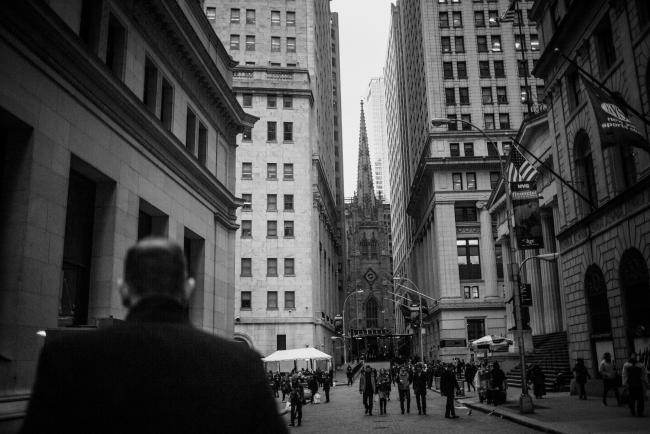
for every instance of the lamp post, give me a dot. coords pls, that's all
(345, 347)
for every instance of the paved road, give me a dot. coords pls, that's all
(345, 414)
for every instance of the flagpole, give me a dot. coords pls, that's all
(522, 41)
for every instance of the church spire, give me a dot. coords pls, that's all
(365, 189)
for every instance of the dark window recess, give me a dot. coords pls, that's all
(475, 329)
(190, 131)
(150, 84)
(166, 104)
(246, 300)
(115, 47)
(281, 342)
(469, 266)
(203, 143)
(466, 213)
(91, 15)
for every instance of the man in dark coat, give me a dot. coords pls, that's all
(154, 373)
(368, 388)
(420, 389)
(326, 386)
(448, 386)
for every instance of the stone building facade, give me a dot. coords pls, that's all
(369, 316)
(603, 245)
(289, 249)
(117, 121)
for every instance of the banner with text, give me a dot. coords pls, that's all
(528, 223)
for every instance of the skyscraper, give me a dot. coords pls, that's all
(289, 246)
(376, 103)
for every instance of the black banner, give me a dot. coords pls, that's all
(528, 223)
(525, 294)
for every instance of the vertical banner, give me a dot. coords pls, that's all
(528, 223)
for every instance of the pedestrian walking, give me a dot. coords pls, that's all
(350, 375)
(312, 384)
(384, 390)
(296, 399)
(635, 379)
(326, 386)
(581, 376)
(368, 388)
(470, 373)
(482, 378)
(607, 370)
(448, 386)
(404, 389)
(154, 372)
(538, 379)
(420, 389)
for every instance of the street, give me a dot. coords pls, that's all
(344, 414)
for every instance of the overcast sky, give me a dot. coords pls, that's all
(363, 35)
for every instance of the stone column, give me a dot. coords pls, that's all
(435, 285)
(487, 254)
(508, 284)
(550, 281)
(447, 251)
(534, 277)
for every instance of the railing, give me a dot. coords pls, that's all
(279, 75)
(242, 74)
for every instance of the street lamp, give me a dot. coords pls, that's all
(345, 348)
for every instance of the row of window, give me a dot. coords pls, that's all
(271, 229)
(271, 267)
(271, 202)
(479, 18)
(271, 132)
(271, 101)
(504, 121)
(486, 95)
(271, 171)
(468, 149)
(235, 43)
(271, 300)
(482, 45)
(457, 181)
(251, 16)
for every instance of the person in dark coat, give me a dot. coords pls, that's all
(420, 389)
(368, 388)
(350, 375)
(448, 386)
(538, 379)
(312, 384)
(470, 373)
(326, 386)
(582, 375)
(404, 389)
(296, 399)
(155, 372)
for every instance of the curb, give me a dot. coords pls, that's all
(521, 420)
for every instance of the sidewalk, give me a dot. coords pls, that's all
(561, 413)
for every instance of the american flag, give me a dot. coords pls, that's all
(519, 169)
(509, 15)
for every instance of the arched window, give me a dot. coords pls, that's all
(372, 313)
(364, 246)
(623, 162)
(635, 288)
(584, 165)
(373, 247)
(596, 292)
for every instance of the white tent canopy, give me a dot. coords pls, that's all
(490, 342)
(308, 353)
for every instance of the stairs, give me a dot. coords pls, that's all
(552, 355)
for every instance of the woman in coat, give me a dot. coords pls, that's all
(538, 379)
(582, 375)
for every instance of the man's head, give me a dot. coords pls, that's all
(633, 357)
(607, 356)
(155, 266)
(368, 368)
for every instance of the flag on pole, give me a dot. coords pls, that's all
(509, 15)
(519, 169)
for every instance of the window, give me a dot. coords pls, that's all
(245, 300)
(454, 149)
(459, 43)
(504, 121)
(520, 41)
(488, 119)
(453, 126)
(502, 96)
(493, 18)
(272, 300)
(250, 43)
(573, 90)
(291, 18)
(457, 18)
(496, 43)
(445, 44)
(234, 16)
(190, 130)
(457, 181)
(289, 267)
(211, 13)
(465, 213)
(481, 44)
(534, 43)
(246, 170)
(475, 327)
(291, 45)
(499, 70)
(605, 45)
(275, 44)
(246, 267)
(150, 85)
(540, 94)
(272, 229)
(522, 68)
(524, 93)
(486, 95)
(461, 67)
(463, 96)
(444, 20)
(271, 131)
(271, 202)
(271, 171)
(247, 135)
(287, 101)
(166, 104)
(247, 100)
(643, 12)
(246, 228)
(494, 179)
(115, 47)
(506, 146)
(289, 300)
(479, 19)
(272, 267)
(493, 149)
(484, 69)
(585, 175)
(288, 228)
(448, 70)
(288, 132)
(450, 96)
(271, 101)
(499, 261)
(471, 180)
(288, 202)
(597, 300)
(467, 292)
(202, 153)
(275, 18)
(250, 16)
(469, 266)
(467, 118)
(287, 171)
(281, 342)
(468, 148)
(234, 42)
(248, 202)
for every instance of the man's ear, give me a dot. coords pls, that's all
(190, 285)
(125, 293)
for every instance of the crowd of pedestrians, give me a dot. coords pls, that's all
(293, 385)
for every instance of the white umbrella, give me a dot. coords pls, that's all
(490, 342)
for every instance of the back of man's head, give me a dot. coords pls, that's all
(155, 266)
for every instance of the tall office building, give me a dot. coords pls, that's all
(459, 62)
(289, 246)
(377, 136)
